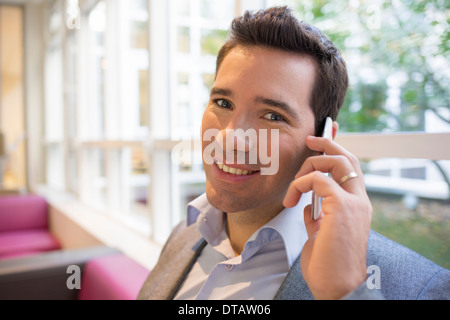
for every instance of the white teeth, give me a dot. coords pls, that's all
(233, 170)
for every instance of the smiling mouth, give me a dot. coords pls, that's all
(235, 171)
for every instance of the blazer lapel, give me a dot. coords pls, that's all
(294, 286)
(175, 262)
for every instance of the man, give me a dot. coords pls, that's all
(251, 235)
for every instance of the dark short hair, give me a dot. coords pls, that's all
(277, 28)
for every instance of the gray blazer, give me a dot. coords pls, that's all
(404, 273)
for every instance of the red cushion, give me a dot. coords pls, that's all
(113, 277)
(18, 212)
(16, 242)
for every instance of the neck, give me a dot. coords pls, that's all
(242, 225)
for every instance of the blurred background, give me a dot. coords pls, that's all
(96, 96)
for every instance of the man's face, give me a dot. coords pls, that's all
(258, 88)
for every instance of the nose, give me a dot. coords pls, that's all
(239, 135)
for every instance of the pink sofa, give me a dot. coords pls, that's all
(113, 277)
(106, 274)
(33, 265)
(24, 226)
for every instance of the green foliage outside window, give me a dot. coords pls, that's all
(402, 44)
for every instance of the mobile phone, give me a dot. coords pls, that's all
(316, 204)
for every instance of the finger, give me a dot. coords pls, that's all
(338, 166)
(332, 148)
(323, 185)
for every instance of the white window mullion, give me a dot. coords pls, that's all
(161, 197)
(112, 161)
(159, 193)
(111, 69)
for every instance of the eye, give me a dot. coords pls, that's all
(272, 116)
(223, 103)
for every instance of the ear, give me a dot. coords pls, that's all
(335, 129)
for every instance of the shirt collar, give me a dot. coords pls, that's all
(288, 224)
(199, 204)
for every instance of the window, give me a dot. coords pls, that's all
(97, 104)
(114, 117)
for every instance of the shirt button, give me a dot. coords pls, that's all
(229, 267)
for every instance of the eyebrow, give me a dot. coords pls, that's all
(221, 91)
